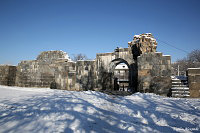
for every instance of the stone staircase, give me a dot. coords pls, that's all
(180, 88)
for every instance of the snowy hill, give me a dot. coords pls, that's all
(46, 110)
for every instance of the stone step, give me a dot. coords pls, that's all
(180, 92)
(179, 85)
(180, 88)
(177, 82)
(180, 95)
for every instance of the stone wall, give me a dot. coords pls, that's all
(7, 75)
(54, 69)
(86, 75)
(106, 63)
(47, 69)
(194, 82)
(34, 74)
(104, 79)
(154, 71)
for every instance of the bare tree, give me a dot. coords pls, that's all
(191, 61)
(194, 56)
(76, 57)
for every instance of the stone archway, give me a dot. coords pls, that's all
(112, 66)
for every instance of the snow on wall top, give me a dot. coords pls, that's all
(144, 42)
(145, 36)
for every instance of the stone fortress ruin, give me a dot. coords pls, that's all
(145, 70)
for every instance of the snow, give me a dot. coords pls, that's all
(85, 60)
(46, 110)
(137, 36)
(149, 33)
(180, 88)
(194, 68)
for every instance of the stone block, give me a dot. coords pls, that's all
(193, 71)
(194, 86)
(194, 93)
(197, 78)
(191, 78)
(144, 72)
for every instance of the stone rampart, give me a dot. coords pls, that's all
(147, 71)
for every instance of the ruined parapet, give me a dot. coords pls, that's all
(194, 82)
(154, 71)
(50, 67)
(143, 43)
(7, 75)
(52, 55)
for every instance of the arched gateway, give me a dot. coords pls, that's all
(121, 74)
(149, 71)
(106, 64)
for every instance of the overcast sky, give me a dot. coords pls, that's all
(28, 27)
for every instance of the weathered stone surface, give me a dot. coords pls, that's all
(52, 55)
(193, 71)
(86, 74)
(160, 85)
(194, 85)
(7, 75)
(195, 93)
(52, 69)
(106, 64)
(154, 71)
(143, 43)
(44, 71)
(34, 74)
(194, 82)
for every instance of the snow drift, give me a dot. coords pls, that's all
(46, 110)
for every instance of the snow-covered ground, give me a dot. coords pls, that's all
(46, 110)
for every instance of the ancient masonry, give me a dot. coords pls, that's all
(149, 71)
(194, 82)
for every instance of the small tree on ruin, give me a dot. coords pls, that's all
(76, 57)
